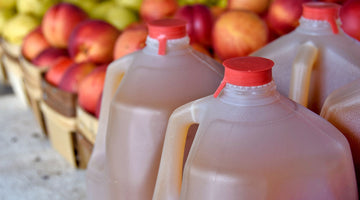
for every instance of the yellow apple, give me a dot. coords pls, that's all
(100, 10)
(34, 7)
(18, 27)
(5, 15)
(132, 4)
(120, 17)
(7, 4)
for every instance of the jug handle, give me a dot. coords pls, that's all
(168, 183)
(301, 73)
(114, 74)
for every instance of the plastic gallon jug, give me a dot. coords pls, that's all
(166, 74)
(254, 144)
(316, 58)
(342, 109)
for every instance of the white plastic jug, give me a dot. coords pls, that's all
(342, 109)
(167, 73)
(316, 58)
(254, 144)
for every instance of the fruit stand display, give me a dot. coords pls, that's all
(86, 129)
(3, 76)
(13, 70)
(32, 83)
(58, 108)
(55, 53)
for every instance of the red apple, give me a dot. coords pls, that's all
(335, 1)
(34, 43)
(199, 22)
(283, 15)
(200, 48)
(238, 33)
(48, 56)
(90, 89)
(217, 11)
(350, 18)
(98, 107)
(272, 35)
(57, 70)
(257, 6)
(94, 41)
(130, 40)
(59, 21)
(74, 74)
(157, 9)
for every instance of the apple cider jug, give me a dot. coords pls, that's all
(342, 109)
(316, 58)
(156, 80)
(253, 143)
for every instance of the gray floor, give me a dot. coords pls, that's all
(30, 169)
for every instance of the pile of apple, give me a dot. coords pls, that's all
(247, 25)
(75, 41)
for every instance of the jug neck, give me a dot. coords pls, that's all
(173, 46)
(317, 27)
(249, 96)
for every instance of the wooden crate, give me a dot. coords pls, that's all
(84, 149)
(32, 73)
(59, 109)
(61, 130)
(3, 76)
(13, 70)
(87, 124)
(86, 128)
(12, 50)
(15, 77)
(61, 101)
(32, 82)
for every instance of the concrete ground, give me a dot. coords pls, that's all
(30, 169)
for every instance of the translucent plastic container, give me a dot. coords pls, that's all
(166, 74)
(342, 109)
(316, 58)
(254, 144)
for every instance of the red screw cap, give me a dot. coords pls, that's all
(322, 11)
(166, 29)
(246, 71)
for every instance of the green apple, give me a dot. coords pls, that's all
(100, 11)
(192, 2)
(7, 4)
(120, 17)
(34, 7)
(222, 3)
(132, 4)
(5, 15)
(18, 27)
(86, 5)
(182, 2)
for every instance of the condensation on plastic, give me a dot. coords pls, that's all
(342, 109)
(336, 62)
(134, 115)
(253, 143)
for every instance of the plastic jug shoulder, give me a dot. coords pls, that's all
(316, 58)
(253, 143)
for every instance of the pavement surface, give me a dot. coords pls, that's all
(30, 169)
